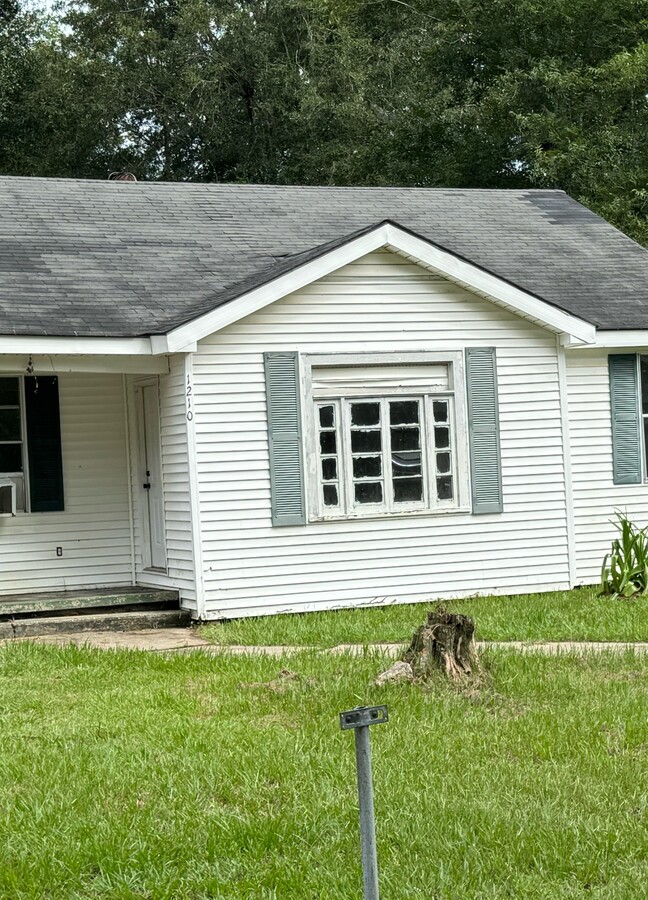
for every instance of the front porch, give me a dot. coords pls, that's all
(118, 532)
(63, 612)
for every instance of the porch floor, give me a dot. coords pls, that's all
(67, 601)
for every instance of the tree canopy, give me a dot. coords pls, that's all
(452, 93)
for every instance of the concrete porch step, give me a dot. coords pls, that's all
(64, 601)
(138, 620)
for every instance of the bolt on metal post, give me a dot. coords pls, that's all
(360, 719)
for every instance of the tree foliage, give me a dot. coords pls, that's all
(407, 92)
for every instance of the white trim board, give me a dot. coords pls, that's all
(393, 238)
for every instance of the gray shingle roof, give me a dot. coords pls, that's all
(99, 258)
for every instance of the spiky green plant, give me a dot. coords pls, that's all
(624, 572)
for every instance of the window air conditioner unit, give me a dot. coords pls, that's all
(7, 497)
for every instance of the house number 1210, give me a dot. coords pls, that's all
(189, 396)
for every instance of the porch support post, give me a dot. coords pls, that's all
(129, 476)
(194, 493)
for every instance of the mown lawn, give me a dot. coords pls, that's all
(579, 615)
(132, 775)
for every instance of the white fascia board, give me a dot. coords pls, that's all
(76, 345)
(476, 279)
(629, 340)
(58, 363)
(386, 235)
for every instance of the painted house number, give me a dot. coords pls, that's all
(189, 396)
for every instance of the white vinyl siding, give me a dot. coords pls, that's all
(94, 529)
(383, 304)
(596, 497)
(173, 438)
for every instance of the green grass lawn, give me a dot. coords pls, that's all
(559, 616)
(131, 775)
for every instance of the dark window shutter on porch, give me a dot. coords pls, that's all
(483, 430)
(626, 420)
(44, 443)
(285, 439)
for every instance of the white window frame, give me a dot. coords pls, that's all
(15, 477)
(456, 395)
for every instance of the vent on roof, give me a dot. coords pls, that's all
(121, 176)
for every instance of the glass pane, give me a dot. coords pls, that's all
(404, 412)
(443, 463)
(327, 442)
(9, 392)
(367, 466)
(10, 425)
(441, 436)
(406, 463)
(408, 490)
(365, 413)
(440, 410)
(366, 441)
(10, 457)
(368, 491)
(329, 469)
(327, 416)
(444, 487)
(330, 495)
(405, 439)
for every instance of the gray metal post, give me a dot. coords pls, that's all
(367, 819)
(359, 720)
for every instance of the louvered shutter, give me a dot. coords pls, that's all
(483, 429)
(44, 443)
(626, 418)
(284, 434)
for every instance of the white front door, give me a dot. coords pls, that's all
(150, 471)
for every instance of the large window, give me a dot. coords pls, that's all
(30, 442)
(384, 440)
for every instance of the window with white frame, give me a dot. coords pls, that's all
(12, 436)
(385, 439)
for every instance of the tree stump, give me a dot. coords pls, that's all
(445, 642)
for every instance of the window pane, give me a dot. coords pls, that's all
(367, 466)
(405, 439)
(441, 436)
(408, 489)
(10, 425)
(327, 416)
(368, 492)
(329, 469)
(366, 441)
(440, 410)
(443, 463)
(365, 413)
(444, 487)
(404, 412)
(9, 392)
(330, 495)
(327, 442)
(406, 463)
(10, 457)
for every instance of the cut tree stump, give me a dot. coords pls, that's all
(445, 642)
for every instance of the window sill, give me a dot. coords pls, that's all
(401, 514)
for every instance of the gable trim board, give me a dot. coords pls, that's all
(391, 237)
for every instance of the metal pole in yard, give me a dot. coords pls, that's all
(360, 719)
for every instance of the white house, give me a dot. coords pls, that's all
(279, 399)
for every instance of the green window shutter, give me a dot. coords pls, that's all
(44, 443)
(483, 430)
(626, 420)
(285, 440)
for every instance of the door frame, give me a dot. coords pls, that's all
(142, 498)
